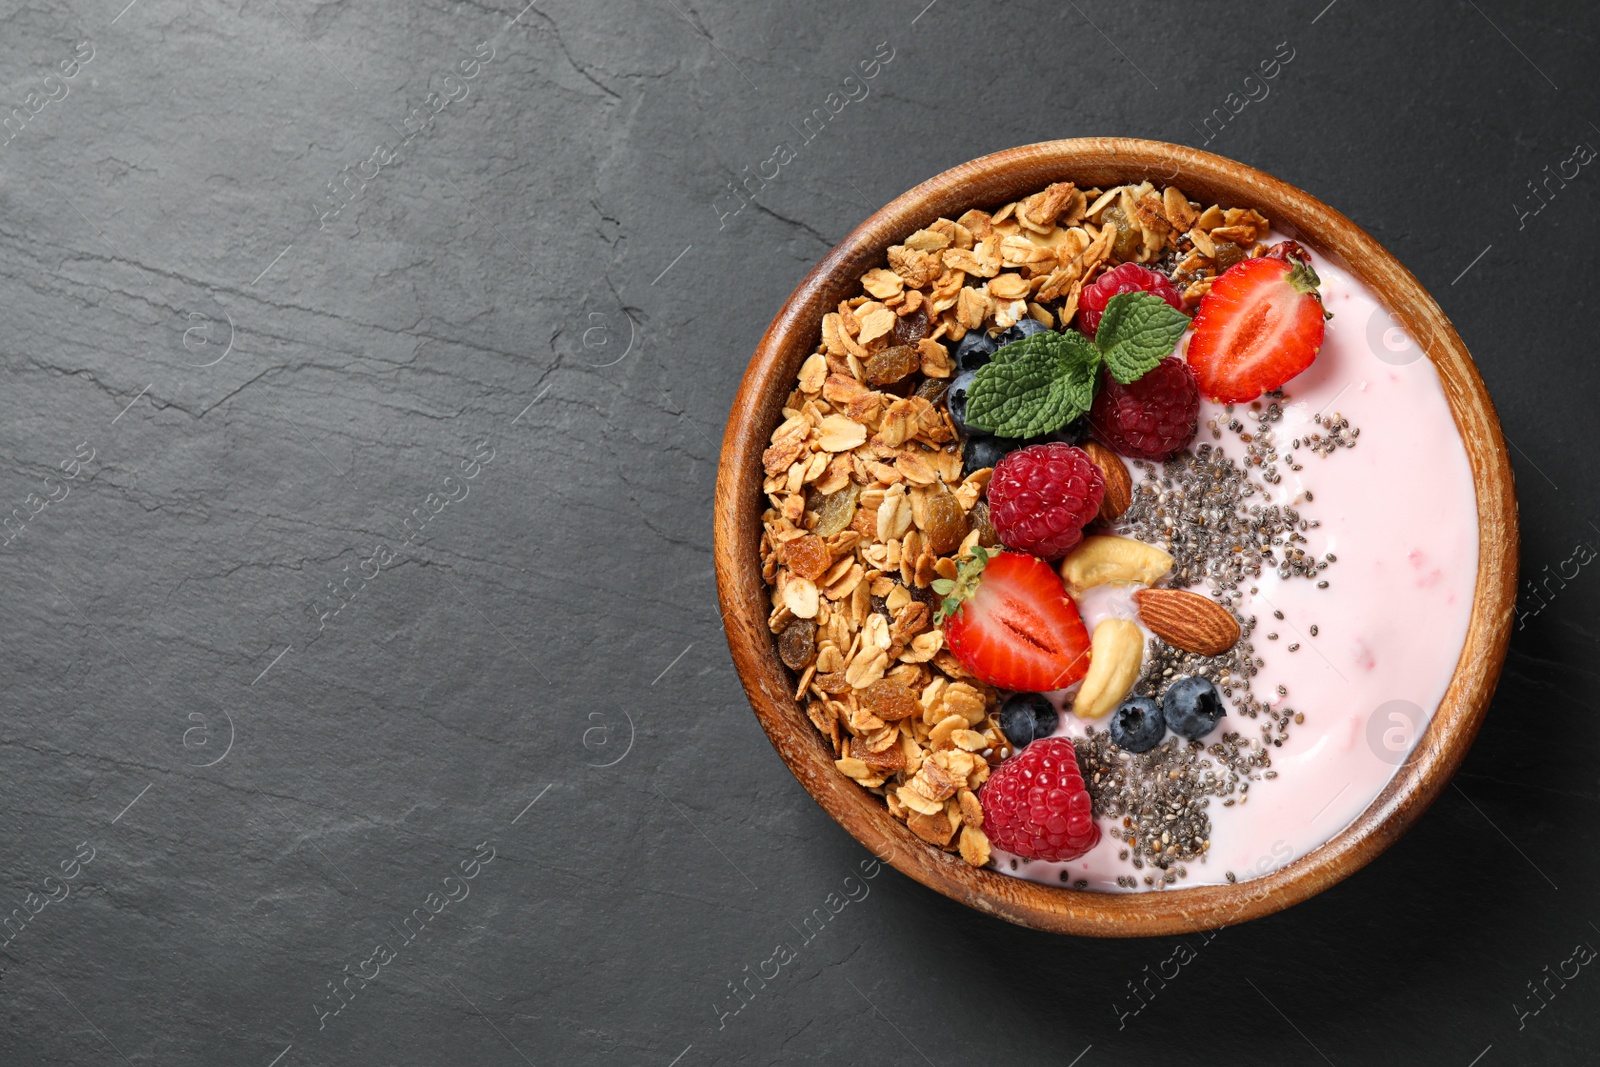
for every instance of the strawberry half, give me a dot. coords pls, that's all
(1008, 619)
(1259, 326)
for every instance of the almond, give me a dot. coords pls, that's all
(1188, 621)
(1119, 487)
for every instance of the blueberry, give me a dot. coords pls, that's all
(1137, 725)
(974, 350)
(980, 452)
(955, 401)
(1023, 328)
(1192, 707)
(1070, 434)
(1026, 717)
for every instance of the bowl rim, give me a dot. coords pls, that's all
(996, 179)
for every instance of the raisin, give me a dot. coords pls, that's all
(836, 510)
(978, 519)
(886, 762)
(890, 701)
(798, 643)
(933, 389)
(834, 682)
(1227, 255)
(1129, 237)
(892, 364)
(807, 556)
(909, 329)
(944, 525)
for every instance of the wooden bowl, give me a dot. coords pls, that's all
(988, 183)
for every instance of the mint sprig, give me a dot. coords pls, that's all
(1046, 380)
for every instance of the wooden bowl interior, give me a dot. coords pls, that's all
(989, 182)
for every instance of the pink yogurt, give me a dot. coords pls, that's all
(1399, 513)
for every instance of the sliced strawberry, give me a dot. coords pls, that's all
(1009, 621)
(1259, 326)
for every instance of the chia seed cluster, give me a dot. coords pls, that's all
(1208, 511)
(1162, 795)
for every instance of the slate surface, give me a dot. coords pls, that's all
(524, 322)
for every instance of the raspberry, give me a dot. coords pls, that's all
(1036, 805)
(1041, 497)
(1153, 418)
(1128, 278)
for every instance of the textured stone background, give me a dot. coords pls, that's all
(543, 279)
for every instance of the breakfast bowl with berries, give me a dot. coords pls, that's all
(1116, 539)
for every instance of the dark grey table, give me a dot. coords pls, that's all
(365, 366)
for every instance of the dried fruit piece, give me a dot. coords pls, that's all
(944, 524)
(1227, 254)
(886, 762)
(1115, 655)
(890, 701)
(832, 682)
(1129, 237)
(1187, 620)
(1103, 559)
(932, 390)
(911, 328)
(807, 556)
(892, 364)
(836, 510)
(1119, 486)
(798, 643)
(978, 519)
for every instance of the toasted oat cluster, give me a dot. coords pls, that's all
(869, 503)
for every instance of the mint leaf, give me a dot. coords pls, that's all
(1137, 331)
(1035, 385)
(1043, 341)
(1022, 397)
(1082, 362)
(1040, 384)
